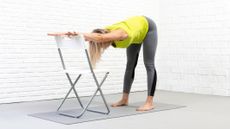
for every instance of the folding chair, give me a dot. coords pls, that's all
(78, 43)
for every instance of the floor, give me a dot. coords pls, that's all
(202, 112)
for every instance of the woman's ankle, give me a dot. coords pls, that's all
(125, 96)
(149, 100)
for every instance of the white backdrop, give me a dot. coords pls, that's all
(193, 53)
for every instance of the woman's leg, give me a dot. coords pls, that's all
(132, 53)
(149, 50)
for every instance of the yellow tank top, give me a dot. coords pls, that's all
(136, 28)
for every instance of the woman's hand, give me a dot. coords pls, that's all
(70, 34)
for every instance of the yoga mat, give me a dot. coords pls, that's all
(90, 116)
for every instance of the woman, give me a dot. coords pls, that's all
(131, 34)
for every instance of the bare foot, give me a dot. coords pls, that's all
(120, 103)
(146, 107)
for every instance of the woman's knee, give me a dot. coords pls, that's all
(150, 66)
(130, 66)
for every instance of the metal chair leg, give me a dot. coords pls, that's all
(98, 89)
(89, 102)
(71, 88)
(75, 92)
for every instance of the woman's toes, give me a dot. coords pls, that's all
(145, 108)
(120, 103)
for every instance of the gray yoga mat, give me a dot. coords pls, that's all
(90, 116)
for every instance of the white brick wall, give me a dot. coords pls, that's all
(30, 64)
(193, 53)
(192, 56)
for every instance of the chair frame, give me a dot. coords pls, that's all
(73, 84)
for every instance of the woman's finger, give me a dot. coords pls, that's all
(75, 33)
(68, 34)
(56, 34)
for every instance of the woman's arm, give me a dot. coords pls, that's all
(115, 35)
(63, 34)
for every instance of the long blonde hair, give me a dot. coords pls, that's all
(96, 49)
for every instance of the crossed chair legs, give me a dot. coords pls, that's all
(84, 108)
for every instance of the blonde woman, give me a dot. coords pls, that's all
(130, 34)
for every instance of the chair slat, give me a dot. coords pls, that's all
(76, 42)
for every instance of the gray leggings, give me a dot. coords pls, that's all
(149, 50)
